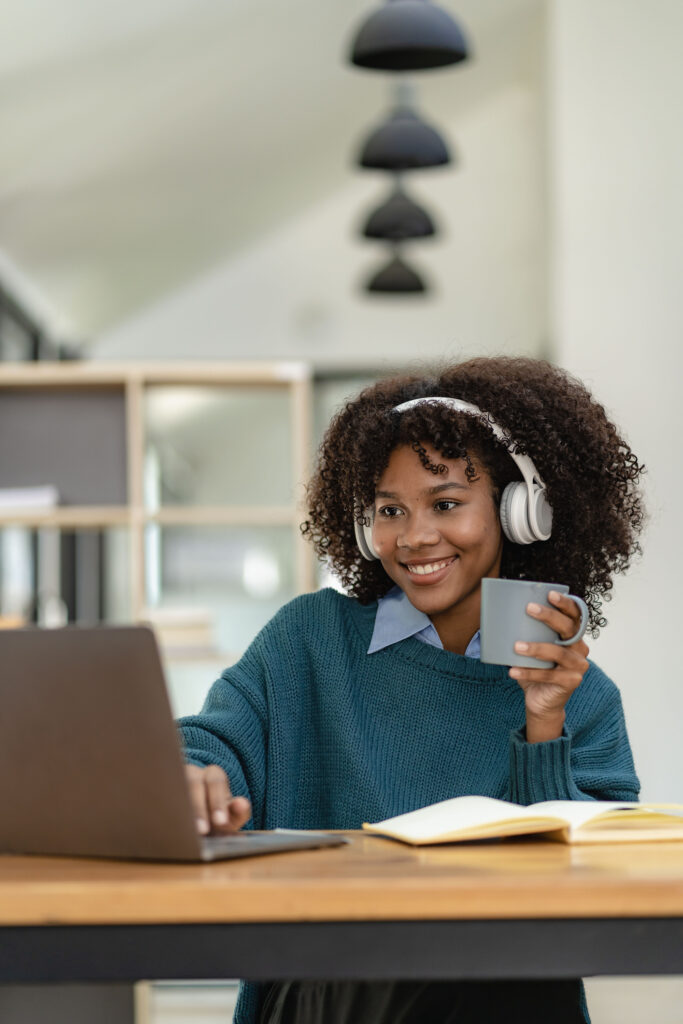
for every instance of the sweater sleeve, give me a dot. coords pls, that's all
(232, 729)
(592, 760)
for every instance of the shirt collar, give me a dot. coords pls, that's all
(397, 619)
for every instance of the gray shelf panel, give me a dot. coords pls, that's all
(73, 438)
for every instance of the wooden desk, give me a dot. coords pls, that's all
(372, 909)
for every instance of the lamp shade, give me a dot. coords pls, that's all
(403, 143)
(399, 218)
(396, 277)
(408, 35)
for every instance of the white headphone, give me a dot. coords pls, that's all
(525, 513)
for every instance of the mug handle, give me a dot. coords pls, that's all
(582, 625)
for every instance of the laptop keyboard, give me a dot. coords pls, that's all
(248, 844)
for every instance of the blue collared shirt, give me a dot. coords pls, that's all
(397, 619)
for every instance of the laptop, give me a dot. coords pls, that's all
(90, 756)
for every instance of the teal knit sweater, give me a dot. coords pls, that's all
(319, 734)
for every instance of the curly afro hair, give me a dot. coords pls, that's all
(590, 472)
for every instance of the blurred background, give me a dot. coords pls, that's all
(180, 181)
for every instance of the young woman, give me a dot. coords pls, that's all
(359, 706)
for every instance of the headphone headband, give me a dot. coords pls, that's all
(526, 465)
(525, 514)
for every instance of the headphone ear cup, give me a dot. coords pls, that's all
(514, 513)
(364, 539)
(541, 515)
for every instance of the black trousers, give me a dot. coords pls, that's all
(432, 1002)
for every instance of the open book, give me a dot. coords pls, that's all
(569, 821)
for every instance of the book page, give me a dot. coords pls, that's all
(461, 813)
(613, 818)
(577, 812)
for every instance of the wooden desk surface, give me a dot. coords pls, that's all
(370, 879)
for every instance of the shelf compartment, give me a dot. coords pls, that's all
(217, 446)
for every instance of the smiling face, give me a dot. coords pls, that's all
(437, 536)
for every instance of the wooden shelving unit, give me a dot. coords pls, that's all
(133, 381)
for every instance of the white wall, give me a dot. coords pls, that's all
(296, 293)
(613, 126)
(616, 83)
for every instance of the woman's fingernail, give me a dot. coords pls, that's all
(220, 818)
(202, 826)
(533, 608)
(515, 673)
(521, 646)
(554, 596)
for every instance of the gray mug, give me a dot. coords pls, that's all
(505, 620)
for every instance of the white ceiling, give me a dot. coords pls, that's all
(142, 142)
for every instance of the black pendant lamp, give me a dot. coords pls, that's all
(399, 218)
(396, 277)
(403, 143)
(408, 35)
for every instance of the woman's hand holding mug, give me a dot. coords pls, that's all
(543, 642)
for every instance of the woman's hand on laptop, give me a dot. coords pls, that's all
(215, 808)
